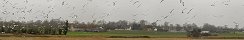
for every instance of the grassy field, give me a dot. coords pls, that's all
(146, 33)
(241, 34)
(81, 38)
(104, 35)
(129, 33)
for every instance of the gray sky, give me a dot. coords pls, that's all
(217, 12)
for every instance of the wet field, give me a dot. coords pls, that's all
(98, 38)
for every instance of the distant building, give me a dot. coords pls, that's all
(76, 29)
(126, 28)
(205, 32)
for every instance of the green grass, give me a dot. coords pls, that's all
(241, 34)
(145, 33)
(129, 33)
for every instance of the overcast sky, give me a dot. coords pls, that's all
(216, 12)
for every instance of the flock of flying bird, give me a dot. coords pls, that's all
(63, 3)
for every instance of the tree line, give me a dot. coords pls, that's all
(56, 26)
(43, 27)
(146, 26)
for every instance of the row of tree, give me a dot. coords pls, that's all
(54, 27)
(146, 26)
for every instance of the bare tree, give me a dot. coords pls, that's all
(208, 27)
(178, 27)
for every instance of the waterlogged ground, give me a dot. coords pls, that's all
(98, 38)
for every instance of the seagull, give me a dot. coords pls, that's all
(3, 6)
(138, 6)
(89, 0)
(212, 5)
(134, 15)
(23, 11)
(12, 13)
(183, 4)
(84, 5)
(13, 7)
(5, 2)
(183, 10)
(131, 0)
(23, 17)
(104, 16)
(93, 15)
(26, 1)
(113, 3)
(171, 11)
(49, 7)
(193, 16)
(59, 17)
(236, 24)
(161, 1)
(63, 3)
(74, 8)
(75, 16)
(180, 1)
(135, 2)
(226, 4)
(228, 1)
(166, 17)
(158, 20)
(189, 11)
(107, 14)
(46, 16)
(5, 12)
(29, 11)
